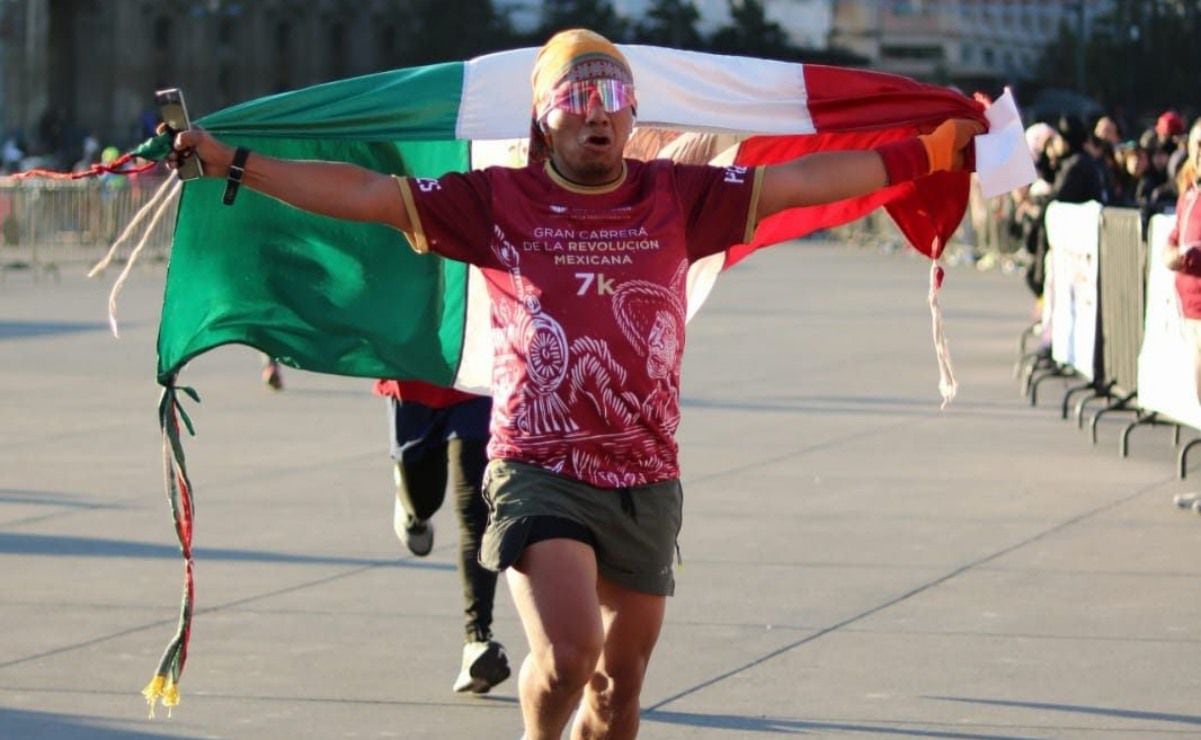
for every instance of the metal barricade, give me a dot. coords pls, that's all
(1122, 289)
(46, 225)
(1123, 267)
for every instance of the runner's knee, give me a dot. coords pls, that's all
(613, 696)
(567, 667)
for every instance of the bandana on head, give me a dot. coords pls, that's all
(570, 56)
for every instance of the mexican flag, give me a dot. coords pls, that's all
(353, 299)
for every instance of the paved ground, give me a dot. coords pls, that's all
(857, 563)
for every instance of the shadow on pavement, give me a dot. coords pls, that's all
(1188, 719)
(785, 725)
(15, 543)
(49, 498)
(22, 723)
(26, 329)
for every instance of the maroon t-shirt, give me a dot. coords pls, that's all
(587, 289)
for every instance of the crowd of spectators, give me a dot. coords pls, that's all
(54, 146)
(1077, 163)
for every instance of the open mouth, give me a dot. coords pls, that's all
(598, 140)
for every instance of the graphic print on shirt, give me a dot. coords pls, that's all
(585, 375)
(586, 290)
(651, 318)
(538, 338)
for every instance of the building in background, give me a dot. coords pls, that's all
(972, 43)
(69, 68)
(806, 22)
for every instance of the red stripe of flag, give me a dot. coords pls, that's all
(856, 109)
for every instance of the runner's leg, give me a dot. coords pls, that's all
(632, 621)
(467, 459)
(420, 473)
(554, 587)
(422, 483)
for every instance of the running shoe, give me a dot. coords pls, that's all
(272, 377)
(1186, 500)
(485, 664)
(417, 534)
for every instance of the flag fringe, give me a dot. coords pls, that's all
(948, 387)
(115, 167)
(164, 686)
(166, 193)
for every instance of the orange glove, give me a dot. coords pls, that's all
(945, 146)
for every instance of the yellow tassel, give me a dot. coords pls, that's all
(161, 687)
(154, 690)
(170, 696)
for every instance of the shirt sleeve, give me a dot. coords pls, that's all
(450, 216)
(719, 206)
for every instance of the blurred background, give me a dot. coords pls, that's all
(79, 75)
(1116, 80)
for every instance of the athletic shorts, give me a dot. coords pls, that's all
(633, 531)
(417, 429)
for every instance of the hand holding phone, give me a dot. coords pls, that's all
(174, 113)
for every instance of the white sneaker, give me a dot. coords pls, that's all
(417, 534)
(485, 664)
(1186, 500)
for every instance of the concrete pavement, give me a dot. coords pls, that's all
(856, 562)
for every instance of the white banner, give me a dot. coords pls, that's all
(1003, 160)
(1167, 363)
(1074, 233)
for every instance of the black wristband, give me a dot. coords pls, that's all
(237, 168)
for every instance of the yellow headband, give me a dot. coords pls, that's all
(576, 55)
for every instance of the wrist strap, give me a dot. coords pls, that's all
(904, 160)
(237, 169)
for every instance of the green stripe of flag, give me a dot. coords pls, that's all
(321, 294)
(415, 104)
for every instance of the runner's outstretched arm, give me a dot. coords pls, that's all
(826, 177)
(336, 189)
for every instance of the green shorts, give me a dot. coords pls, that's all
(633, 530)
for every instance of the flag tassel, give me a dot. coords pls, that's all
(170, 189)
(164, 686)
(115, 167)
(947, 385)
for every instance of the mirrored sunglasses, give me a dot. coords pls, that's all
(576, 97)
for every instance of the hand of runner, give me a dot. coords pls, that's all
(948, 147)
(196, 142)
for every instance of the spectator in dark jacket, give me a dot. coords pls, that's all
(1132, 162)
(1156, 191)
(1080, 177)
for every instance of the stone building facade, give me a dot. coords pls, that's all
(80, 66)
(970, 42)
(73, 67)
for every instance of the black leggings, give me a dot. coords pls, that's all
(423, 487)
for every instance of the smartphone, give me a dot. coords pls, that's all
(174, 113)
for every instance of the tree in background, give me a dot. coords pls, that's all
(451, 30)
(752, 34)
(596, 15)
(1142, 57)
(671, 23)
(445, 30)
